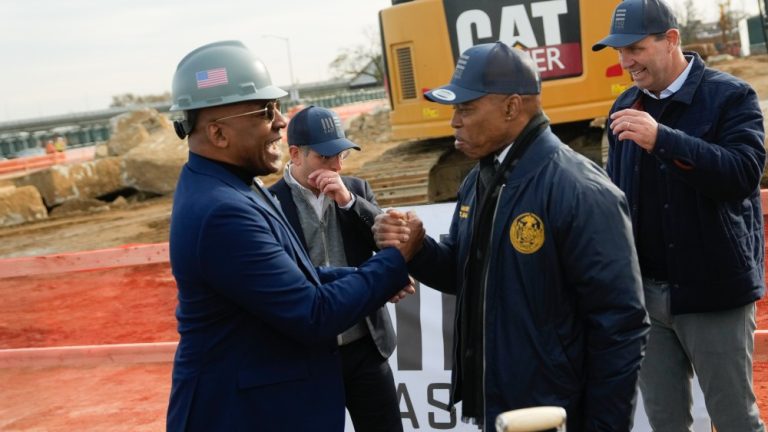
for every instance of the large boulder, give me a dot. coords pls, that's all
(90, 179)
(155, 164)
(370, 127)
(131, 129)
(19, 205)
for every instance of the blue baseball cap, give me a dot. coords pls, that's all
(320, 129)
(489, 68)
(633, 20)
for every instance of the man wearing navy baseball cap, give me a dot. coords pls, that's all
(333, 215)
(635, 20)
(544, 315)
(686, 146)
(321, 130)
(485, 69)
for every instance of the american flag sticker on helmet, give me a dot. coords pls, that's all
(211, 78)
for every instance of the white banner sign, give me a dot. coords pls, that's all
(422, 361)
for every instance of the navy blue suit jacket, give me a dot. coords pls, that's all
(257, 321)
(355, 225)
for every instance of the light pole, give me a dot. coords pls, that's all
(294, 91)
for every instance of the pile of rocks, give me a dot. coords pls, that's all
(143, 155)
(370, 128)
(142, 158)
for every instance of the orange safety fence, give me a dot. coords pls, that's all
(346, 112)
(126, 255)
(90, 355)
(33, 163)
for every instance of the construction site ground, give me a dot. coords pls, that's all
(53, 310)
(104, 307)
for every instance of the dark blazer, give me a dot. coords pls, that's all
(355, 225)
(257, 321)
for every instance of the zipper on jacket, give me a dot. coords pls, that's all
(485, 297)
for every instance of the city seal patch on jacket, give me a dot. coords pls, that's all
(527, 233)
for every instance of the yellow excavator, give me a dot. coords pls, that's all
(421, 40)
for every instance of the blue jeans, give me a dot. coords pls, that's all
(717, 345)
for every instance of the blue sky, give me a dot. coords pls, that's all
(67, 56)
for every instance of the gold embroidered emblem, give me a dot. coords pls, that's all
(464, 211)
(527, 233)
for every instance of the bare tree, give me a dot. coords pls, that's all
(689, 21)
(362, 59)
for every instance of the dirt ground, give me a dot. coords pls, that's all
(81, 309)
(110, 306)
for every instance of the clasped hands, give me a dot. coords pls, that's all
(403, 231)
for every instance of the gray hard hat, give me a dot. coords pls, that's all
(221, 73)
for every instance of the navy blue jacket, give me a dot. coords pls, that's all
(258, 322)
(710, 148)
(355, 225)
(565, 322)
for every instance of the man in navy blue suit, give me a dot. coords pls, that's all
(258, 322)
(333, 216)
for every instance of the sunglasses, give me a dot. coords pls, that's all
(269, 111)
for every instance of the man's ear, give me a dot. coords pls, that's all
(513, 104)
(673, 37)
(295, 153)
(217, 135)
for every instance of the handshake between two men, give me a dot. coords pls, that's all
(401, 230)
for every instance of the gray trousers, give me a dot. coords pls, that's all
(717, 346)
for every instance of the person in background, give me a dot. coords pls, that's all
(332, 216)
(539, 255)
(49, 147)
(60, 144)
(257, 320)
(686, 146)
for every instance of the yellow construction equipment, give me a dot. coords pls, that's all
(421, 40)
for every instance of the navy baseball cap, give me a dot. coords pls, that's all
(320, 129)
(489, 68)
(633, 20)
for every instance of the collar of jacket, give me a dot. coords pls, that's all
(684, 95)
(540, 151)
(215, 169)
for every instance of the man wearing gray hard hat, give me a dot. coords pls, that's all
(539, 255)
(686, 146)
(257, 320)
